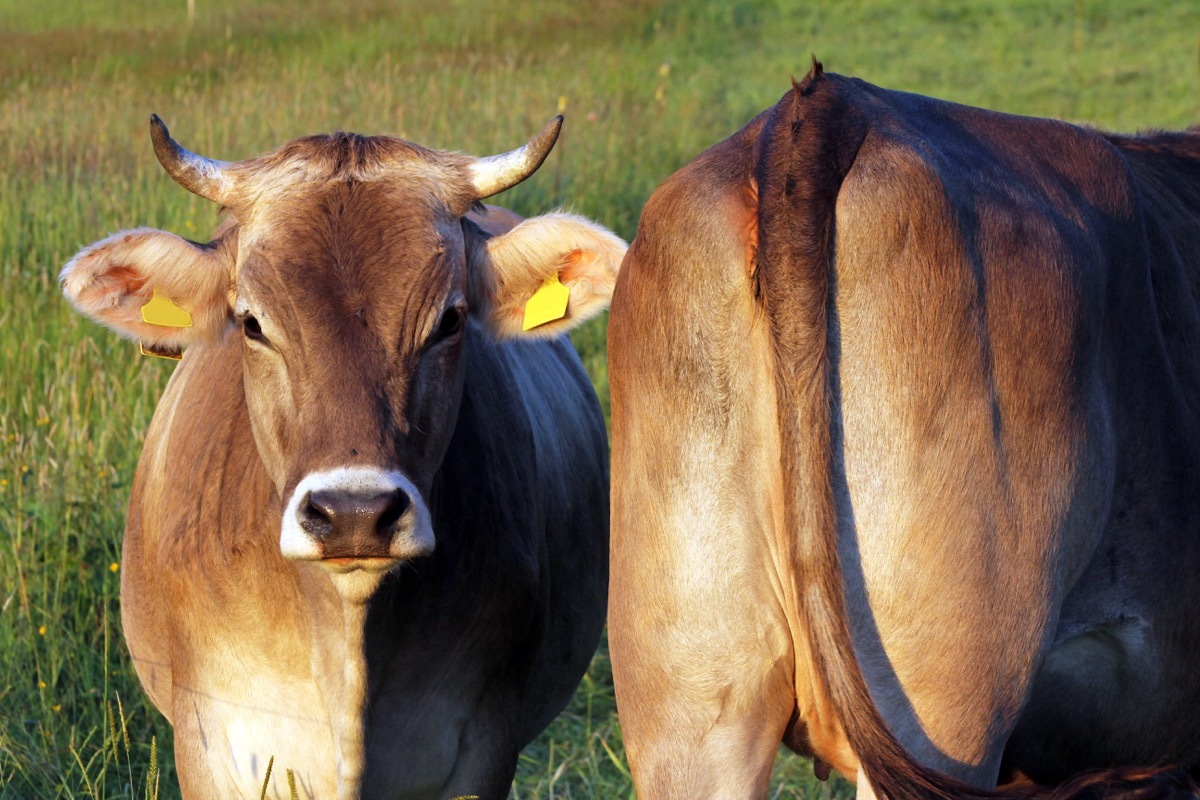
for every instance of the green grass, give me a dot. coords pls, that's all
(645, 86)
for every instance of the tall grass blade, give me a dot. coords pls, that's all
(267, 778)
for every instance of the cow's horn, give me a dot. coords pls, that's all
(494, 174)
(203, 176)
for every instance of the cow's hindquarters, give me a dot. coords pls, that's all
(701, 617)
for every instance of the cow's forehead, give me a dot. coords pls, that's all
(348, 157)
(353, 214)
(386, 247)
(351, 195)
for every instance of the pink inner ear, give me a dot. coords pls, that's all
(110, 288)
(572, 264)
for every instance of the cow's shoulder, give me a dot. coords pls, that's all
(528, 436)
(199, 503)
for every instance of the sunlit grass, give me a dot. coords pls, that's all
(645, 86)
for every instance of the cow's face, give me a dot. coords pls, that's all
(351, 300)
(351, 272)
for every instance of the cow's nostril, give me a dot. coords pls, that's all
(397, 503)
(316, 515)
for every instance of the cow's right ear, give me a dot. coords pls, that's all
(111, 280)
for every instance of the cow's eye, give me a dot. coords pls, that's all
(252, 329)
(449, 325)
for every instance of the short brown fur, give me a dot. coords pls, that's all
(355, 506)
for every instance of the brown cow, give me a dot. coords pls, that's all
(367, 537)
(906, 442)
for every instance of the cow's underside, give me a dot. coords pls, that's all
(468, 652)
(1006, 324)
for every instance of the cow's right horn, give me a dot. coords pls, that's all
(206, 177)
(494, 174)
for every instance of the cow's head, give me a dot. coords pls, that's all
(353, 267)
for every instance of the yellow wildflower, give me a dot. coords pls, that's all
(42, 631)
(113, 567)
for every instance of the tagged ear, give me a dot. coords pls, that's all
(111, 280)
(557, 248)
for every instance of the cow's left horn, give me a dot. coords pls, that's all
(494, 174)
(206, 177)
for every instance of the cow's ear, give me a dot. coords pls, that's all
(545, 276)
(112, 280)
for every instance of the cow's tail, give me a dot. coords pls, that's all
(803, 154)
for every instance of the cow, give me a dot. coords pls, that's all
(367, 535)
(905, 452)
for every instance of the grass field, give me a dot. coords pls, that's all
(645, 86)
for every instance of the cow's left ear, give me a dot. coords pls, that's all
(511, 269)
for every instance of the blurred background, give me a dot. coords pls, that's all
(644, 86)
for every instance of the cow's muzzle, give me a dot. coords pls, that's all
(356, 517)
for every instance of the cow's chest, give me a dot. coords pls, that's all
(241, 716)
(231, 723)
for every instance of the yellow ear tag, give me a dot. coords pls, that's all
(547, 304)
(161, 311)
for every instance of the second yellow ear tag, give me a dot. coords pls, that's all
(161, 311)
(547, 304)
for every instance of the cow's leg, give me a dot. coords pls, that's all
(963, 518)
(701, 611)
(488, 745)
(955, 576)
(703, 660)
(953, 593)
(703, 681)
(702, 603)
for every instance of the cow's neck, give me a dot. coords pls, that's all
(352, 712)
(340, 669)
